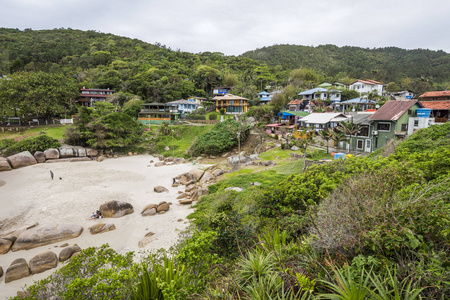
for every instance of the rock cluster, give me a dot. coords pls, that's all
(65, 153)
(153, 209)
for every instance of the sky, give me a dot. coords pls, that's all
(236, 26)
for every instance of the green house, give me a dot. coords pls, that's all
(158, 113)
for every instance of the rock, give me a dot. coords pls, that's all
(101, 228)
(218, 172)
(168, 159)
(196, 174)
(180, 192)
(151, 161)
(69, 151)
(160, 164)
(166, 148)
(4, 164)
(185, 201)
(100, 158)
(5, 245)
(183, 195)
(161, 157)
(39, 156)
(194, 195)
(295, 148)
(206, 177)
(176, 184)
(149, 210)
(190, 188)
(130, 154)
(1, 272)
(43, 262)
(162, 212)
(160, 189)
(21, 159)
(162, 202)
(180, 220)
(250, 120)
(91, 152)
(203, 191)
(146, 240)
(254, 157)
(46, 234)
(75, 159)
(179, 160)
(268, 163)
(17, 270)
(51, 153)
(67, 253)
(163, 207)
(225, 154)
(64, 245)
(236, 189)
(116, 209)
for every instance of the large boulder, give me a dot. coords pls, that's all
(186, 201)
(51, 153)
(5, 245)
(146, 240)
(21, 159)
(116, 209)
(4, 164)
(196, 174)
(160, 164)
(67, 252)
(163, 207)
(39, 156)
(160, 189)
(101, 227)
(206, 177)
(91, 152)
(149, 210)
(46, 234)
(71, 151)
(43, 262)
(190, 188)
(17, 270)
(1, 272)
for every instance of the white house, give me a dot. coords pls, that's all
(317, 93)
(402, 95)
(319, 121)
(185, 106)
(367, 86)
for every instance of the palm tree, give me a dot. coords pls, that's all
(349, 128)
(326, 135)
(337, 137)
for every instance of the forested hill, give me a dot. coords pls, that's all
(385, 64)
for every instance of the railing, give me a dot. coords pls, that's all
(440, 120)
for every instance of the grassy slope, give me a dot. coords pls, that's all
(54, 131)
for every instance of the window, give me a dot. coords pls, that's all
(384, 127)
(416, 123)
(404, 127)
(364, 131)
(409, 112)
(359, 144)
(230, 102)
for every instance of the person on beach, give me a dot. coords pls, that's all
(51, 174)
(174, 181)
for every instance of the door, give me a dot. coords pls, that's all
(368, 145)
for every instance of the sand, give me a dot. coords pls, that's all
(28, 196)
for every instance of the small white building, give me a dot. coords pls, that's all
(319, 121)
(402, 95)
(367, 86)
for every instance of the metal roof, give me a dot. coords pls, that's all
(359, 101)
(312, 91)
(393, 110)
(321, 118)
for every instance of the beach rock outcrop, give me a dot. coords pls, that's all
(160, 164)
(67, 252)
(190, 188)
(149, 210)
(206, 177)
(185, 201)
(21, 159)
(43, 262)
(46, 234)
(101, 228)
(4, 164)
(160, 189)
(17, 270)
(5, 245)
(183, 195)
(146, 240)
(163, 207)
(51, 153)
(218, 172)
(39, 156)
(116, 209)
(1, 272)
(91, 152)
(100, 158)
(196, 174)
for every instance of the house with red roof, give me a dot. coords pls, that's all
(435, 96)
(438, 102)
(88, 97)
(365, 86)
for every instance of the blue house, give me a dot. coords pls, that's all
(264, 97)
(185, 106)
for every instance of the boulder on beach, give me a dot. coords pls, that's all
(17, 270)
(160, 189)
(46, 234)
(39, 156)
(163, 208)
(51, 153)
(149, 210)
(100, 158)
(160, 164)
(182, 195)
(116, 209)
(185, 201)
(101, 228)
(21, 159)
(196, 174)
(67, 151)
(146, 240)
(91, 152)
(43, 262)
(206, 177)
(4, 164)
(5, 245)
(67, 252)
(1, 272)
(190, 188)
(218, 172)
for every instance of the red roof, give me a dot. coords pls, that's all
(435, 94)
(436, 104)
(273, 125)
(393, 110)
(368, 81)
(295, 102)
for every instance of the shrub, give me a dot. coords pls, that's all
(33, 144)
(212, 116)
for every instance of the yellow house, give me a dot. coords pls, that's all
(231, 103)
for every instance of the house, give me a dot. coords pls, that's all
(264, 97)
(422, 120)
(402, 95)
(316, 93)
(391, 121)
(296, 105)
(357, 104)
(328, 85)
(363, 139)
(88, 97)
(367, 86)
(197, 100)
(158, 113)
(292, 117)
(319, 121)
(439, 110)
(231, 103)
(435, 96)
(222, 90)
(185, 106)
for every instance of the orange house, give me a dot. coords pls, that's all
(231, 103)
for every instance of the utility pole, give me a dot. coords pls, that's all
(239, 151)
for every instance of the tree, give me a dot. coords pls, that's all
(337, 137)
(349, 128)
(326, 135)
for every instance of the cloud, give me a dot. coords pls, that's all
(233, 27)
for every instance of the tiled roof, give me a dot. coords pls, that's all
(229, 97)
(393, 110)
(436, 104)
(435, 94)
(295, 102)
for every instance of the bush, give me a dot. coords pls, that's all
(196, 117)
(212, 117)
(33, 144)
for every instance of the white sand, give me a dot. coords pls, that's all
(29, 196)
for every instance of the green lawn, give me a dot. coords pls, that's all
(54, 131)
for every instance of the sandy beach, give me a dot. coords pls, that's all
(28, 196)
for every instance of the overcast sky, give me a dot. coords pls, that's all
(233, 27)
